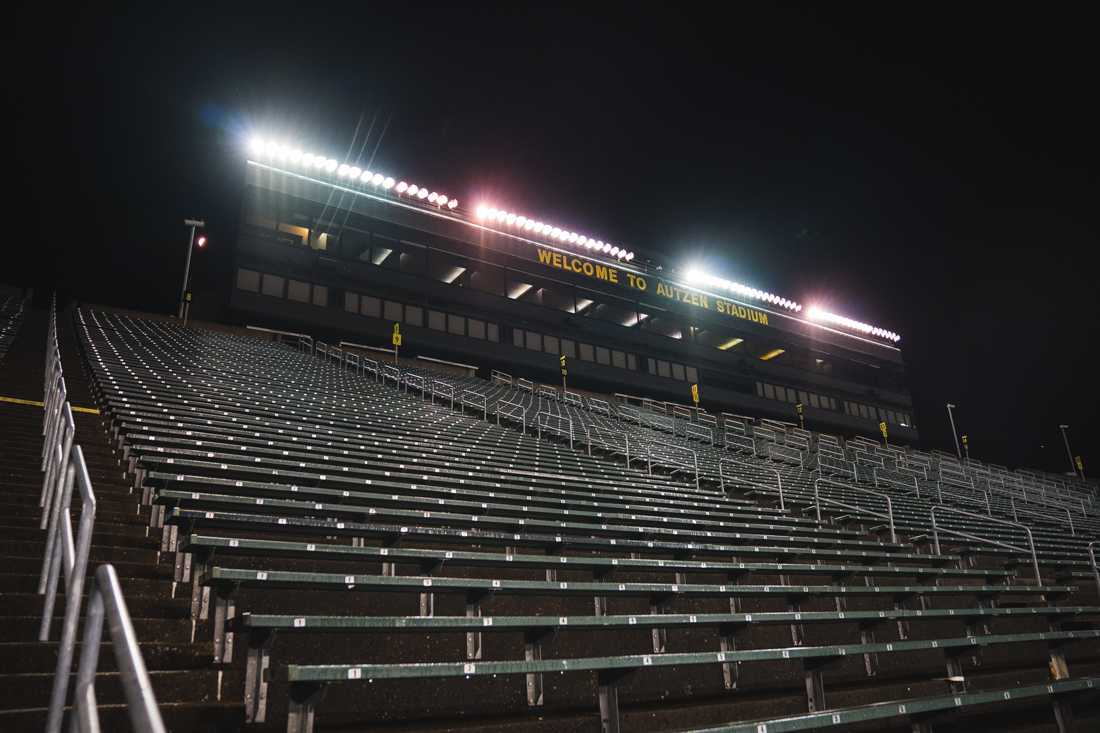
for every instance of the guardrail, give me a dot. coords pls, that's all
(443, 389)
(107, 606)
(1092, 561)
(997, 543)
(778, 478)
(670, 462)
(782, 452)
(889, 515)
(599, 406)
(501, 378)
(525, 384)
(391, 372)
(370, 366)
(896, 483)
(1039, 515)
(700, 432)
(557, 429)
(469, 397)
(741, 443)
(572, 398)
(513, 411)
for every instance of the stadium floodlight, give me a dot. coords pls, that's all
(487, 213)
(388, 183)
(700, 278)
(442, 200)
(452, 204)
(413, 189)
(816, 313)
(422, 194)
(401, 187)
(377, 179)
(432, 197)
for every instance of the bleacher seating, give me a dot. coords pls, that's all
(11, 317)
(352, 534)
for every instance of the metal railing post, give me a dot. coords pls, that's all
(987, 540)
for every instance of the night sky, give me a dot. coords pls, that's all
(932, 174)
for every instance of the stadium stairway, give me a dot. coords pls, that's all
(185, 683)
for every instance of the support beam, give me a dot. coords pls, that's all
(257, 675)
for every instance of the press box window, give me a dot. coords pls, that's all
(769, 391)
(477, 328)
(550, 344)
(568, 348)
(297, 291)
(248, 280)
(678, 371)
(320, 295)
(586, 352)
(618, 359)
(632, 362)
(517, 338)
(493, 331)
(603, 356)
(663, 369)
(369, 306)
(534, 341)
(692, 374)
(273, 285)
(437, 321)
(456, 325)
(651, 365)
(414, 315)
(351, 302)
(392, 311)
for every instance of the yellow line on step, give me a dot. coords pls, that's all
(36, 403)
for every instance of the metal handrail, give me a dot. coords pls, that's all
(106, 605)
(741, 441)
(443, 389)
(699, 431)
(473, 399)
(916, 486)
(539, 425)
(676, 466)
(966, 535)
(778, 477)
(71, 560)
(521, 417)
(1092, 561)
(1039, 515)
(889, 515)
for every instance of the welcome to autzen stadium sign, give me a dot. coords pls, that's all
(657, 286)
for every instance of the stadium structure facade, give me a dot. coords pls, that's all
(345, 254)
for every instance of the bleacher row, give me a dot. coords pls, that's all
(369, 544)
(11, 316)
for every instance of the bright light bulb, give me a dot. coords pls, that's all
(433, 196)
(296, 156)
(614, 251)
(481, 212)
(606, 247)
(442, 200)
(422, 194)
(256, 146)
(342, 171)
(402, 187)
(330, 165)
(414, 189)
(453, 203)
(510, 219)
(377, 179)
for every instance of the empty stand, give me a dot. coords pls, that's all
(370, 544)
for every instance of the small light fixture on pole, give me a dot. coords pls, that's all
(194, 224)
(1069, 453)
(954, 433)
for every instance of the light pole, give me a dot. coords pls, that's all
(954, 433)
(1069, 453)
(194, 224)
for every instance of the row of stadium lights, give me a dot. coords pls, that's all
(818, 314)
(698, 277)
(287, 154)
(262, 148)
(549, 231)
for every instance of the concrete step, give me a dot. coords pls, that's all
(35, 656)
(187, 717)
(32, 689)
(154, 606)
(162, 630)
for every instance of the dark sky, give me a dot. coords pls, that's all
(935, 174)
